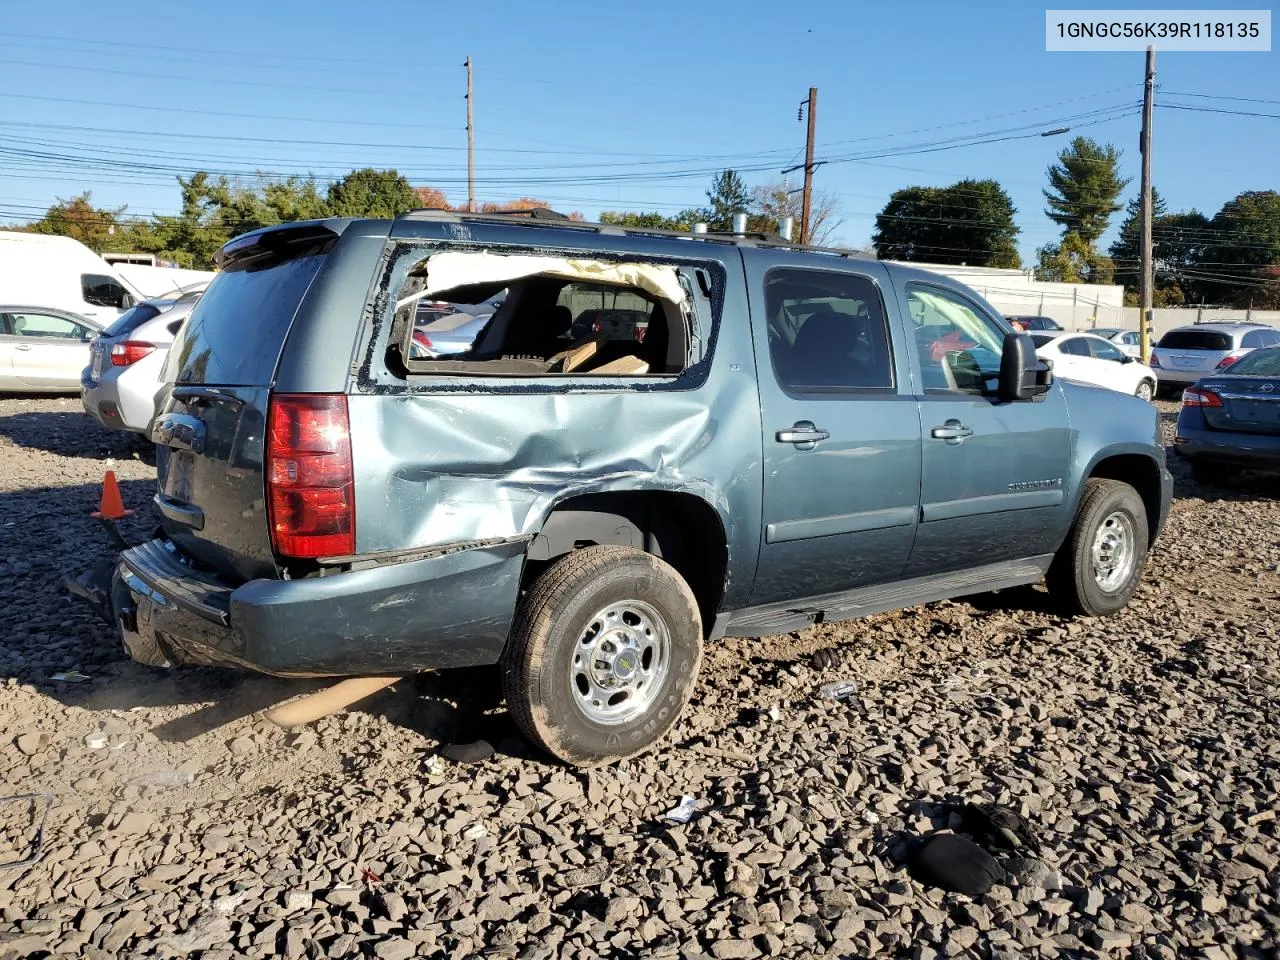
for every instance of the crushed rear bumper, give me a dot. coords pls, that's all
(447, 609)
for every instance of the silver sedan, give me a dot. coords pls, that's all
(43, 349)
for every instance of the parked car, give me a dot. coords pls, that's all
(1087, 358)
(616, 324)
(1185, 354)
(118, 386)
(1128, 341)
(1232, 420)
(43, 350)
(588, 513)
(1029, 324)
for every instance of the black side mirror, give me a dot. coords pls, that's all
(1125, 358)
(1023, 375)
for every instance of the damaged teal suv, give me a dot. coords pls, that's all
(780, 436)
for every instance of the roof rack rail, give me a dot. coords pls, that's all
(1237, 323)
(543, 217)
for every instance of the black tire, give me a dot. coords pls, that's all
(1152, 391)
(1072, 580)
(538, 665)
(1208, 473)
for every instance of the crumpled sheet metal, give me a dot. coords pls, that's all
(488, 466)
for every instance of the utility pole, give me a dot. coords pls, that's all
(1148, 267)
(471, 147)
(806, 202)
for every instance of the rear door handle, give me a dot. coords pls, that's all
(953, 431)
(803, 434)
(23, 347)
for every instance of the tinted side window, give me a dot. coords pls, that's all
(958, 346)
(131, 319)
(1076, 346)
(102, 291)
(827, 331)
(1253, 339)
(1270, 338)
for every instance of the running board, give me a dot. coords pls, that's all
(791, 615)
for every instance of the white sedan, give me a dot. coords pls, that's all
(1086, 358)
(42, 349)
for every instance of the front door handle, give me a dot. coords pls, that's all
(953, 431)
(803, 434)
(23, 347)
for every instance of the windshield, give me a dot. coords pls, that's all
(131, 319)
(1259, 363)
(1041, 339)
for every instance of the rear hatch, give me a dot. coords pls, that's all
(1193, 350)
(118, 332)
(211, 432)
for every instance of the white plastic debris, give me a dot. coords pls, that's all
(96, 741)
(838, 689)
(475, 831)
(871, 816)
(775, 714)
(683, 812)
(71, 676)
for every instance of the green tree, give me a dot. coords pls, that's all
(1084, 189)
(297, 198)
(969, 222)
(98, 228)
(1073, 260)
(1245, 246)
(641, 220)
(726, 196)
(1177, 244)
(371, 193)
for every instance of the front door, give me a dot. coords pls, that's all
(48, 350)
(994, 477)
(841, 432)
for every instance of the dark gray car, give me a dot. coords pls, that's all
(800, 436)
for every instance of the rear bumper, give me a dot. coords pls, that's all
(1251, 450)
(112, 404)
(445, 610)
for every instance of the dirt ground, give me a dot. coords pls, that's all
(1143, 748)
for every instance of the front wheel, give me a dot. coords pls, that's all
(1146, 391)
(1097, 570)
(603, 655)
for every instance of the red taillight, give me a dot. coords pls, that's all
(421, 339)
(130, 351)
(595, 324)
(638, 332)
(310, 482)
(1226, 362)
(1200, 398)
(1155, 361)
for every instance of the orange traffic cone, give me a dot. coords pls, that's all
(111, 506)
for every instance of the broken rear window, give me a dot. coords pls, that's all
(534, 315)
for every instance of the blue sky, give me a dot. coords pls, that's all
(600, 105)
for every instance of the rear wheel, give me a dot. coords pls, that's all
(1146, 390)
(1098, 568)
(603, 655)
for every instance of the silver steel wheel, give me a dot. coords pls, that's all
(1113, 551)
(620, 662)
(1145, 390)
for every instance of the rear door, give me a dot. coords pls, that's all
(841, 430)
(211, 430)
(993, 484)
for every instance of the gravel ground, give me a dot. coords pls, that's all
(1143, 749)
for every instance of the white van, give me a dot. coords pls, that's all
(48, 271)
